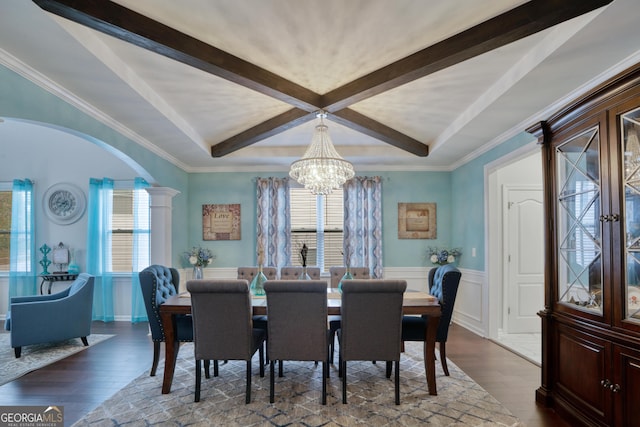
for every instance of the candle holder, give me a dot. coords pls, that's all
(45, 262)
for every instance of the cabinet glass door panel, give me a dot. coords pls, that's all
(630, 127)
(579, 228)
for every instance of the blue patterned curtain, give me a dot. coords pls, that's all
(99, 213)
(363, 223)
(22, 265)
(274, 221)
(141, 246)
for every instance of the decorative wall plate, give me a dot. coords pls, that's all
(64, 203)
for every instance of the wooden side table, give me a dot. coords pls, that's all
(55, 277)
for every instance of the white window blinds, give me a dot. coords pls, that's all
(317, 221)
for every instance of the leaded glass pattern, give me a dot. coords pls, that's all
(630, 127)
(579, 231)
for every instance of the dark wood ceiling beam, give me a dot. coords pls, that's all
(354, 120)
(515, 24)
(115, 20)
(122, 23)
(264, 130)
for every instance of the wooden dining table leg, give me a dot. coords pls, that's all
(171, 348)
(430, 353)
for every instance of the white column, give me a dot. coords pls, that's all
(161, 206)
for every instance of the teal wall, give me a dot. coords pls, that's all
(225, 188)
(414, 187)
(459, 195)
(467, 202)
(397, 187)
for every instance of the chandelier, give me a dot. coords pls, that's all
(321, 169)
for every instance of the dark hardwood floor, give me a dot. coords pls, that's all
(509, 378)
(84, 380)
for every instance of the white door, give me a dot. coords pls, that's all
(524, 244)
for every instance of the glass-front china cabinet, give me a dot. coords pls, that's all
(591, 320)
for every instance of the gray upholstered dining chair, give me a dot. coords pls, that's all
(248, 273)
(293, 273)
(443, 284)
(336, 274)
(159, 283)
(297, 311)
(371, 325)
(223, 327)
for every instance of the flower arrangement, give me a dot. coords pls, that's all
(199, 257)
(443, 256)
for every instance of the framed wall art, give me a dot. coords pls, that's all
(221, 222)
(417, 221)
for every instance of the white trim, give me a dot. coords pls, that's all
(550, 109)
(39, 79)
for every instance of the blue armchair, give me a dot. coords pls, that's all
(38, 319)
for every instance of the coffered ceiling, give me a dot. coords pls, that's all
(233, 85)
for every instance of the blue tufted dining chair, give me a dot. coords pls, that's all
(443, 284)
(159, 283)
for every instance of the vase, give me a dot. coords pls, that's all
(347, 276)
(257, 284)
(304, 275)
(73, 267)
(197, 272)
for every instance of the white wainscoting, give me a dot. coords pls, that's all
(416, 277)
(471, 309)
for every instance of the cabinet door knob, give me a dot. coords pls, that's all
(615, 388)
(605, 383)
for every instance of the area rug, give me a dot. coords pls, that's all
(460, 401)
(37, 356)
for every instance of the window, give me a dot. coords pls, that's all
(123, 226)
(5, 229)
(318, 222)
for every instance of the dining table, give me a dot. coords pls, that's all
(414, 303)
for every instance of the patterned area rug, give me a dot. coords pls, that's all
(460, 401)
(36, 356)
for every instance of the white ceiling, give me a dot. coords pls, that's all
(179, 112)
